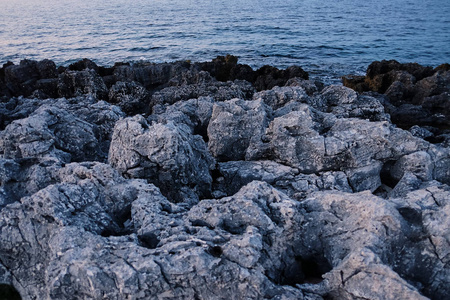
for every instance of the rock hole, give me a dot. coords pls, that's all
(149, 240)
(123, 217)
(385, 174)
(8, 292)
(202, 131)
(305, 270)
(122, 224)
(215, 251)
(216, 174)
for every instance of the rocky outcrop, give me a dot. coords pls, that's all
(132, 86)
(416, 95)
(214, 181)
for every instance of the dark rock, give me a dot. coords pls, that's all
(47, 69)
(267, 76)
(83, 64)
(130, 97)
(150, 76)
(21, 79)
(416, 95)
(78, 83)
(203, 86)
(48, 87)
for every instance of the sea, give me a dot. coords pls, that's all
(327, 38)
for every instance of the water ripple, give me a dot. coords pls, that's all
(327, 38)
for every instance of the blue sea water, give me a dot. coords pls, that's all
(328, 38)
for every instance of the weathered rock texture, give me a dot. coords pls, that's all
(214, 181)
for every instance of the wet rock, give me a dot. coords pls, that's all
(21, 79)
(165, 154)
(226, 68)
(83, 64)
(130, 97)
(78, 83)
(150, 75)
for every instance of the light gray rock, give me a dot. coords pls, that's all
(344, 102)
(49, 132)
(165, 154)
(361, 256)
(417, 163)
(365, 178)
(280, 96)
(70, 130)
(233, 125)
(24, 177)
(309, 86)
(362, 275)
(73, 240)
(195, 113)
(422, 256)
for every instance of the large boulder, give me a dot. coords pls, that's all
(165, 154)
(233, 125)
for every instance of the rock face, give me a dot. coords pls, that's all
(214, 181)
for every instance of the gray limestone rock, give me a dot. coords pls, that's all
(233, 125)
(280, 96)
(305, 192)
(71, 130)
(343, 102)
(194, 113)
(235, 174)
(165, 154)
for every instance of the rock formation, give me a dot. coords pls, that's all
(213, 181)
(415, 96)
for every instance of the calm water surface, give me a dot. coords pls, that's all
(328, 38)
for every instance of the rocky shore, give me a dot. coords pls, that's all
(215, 181)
